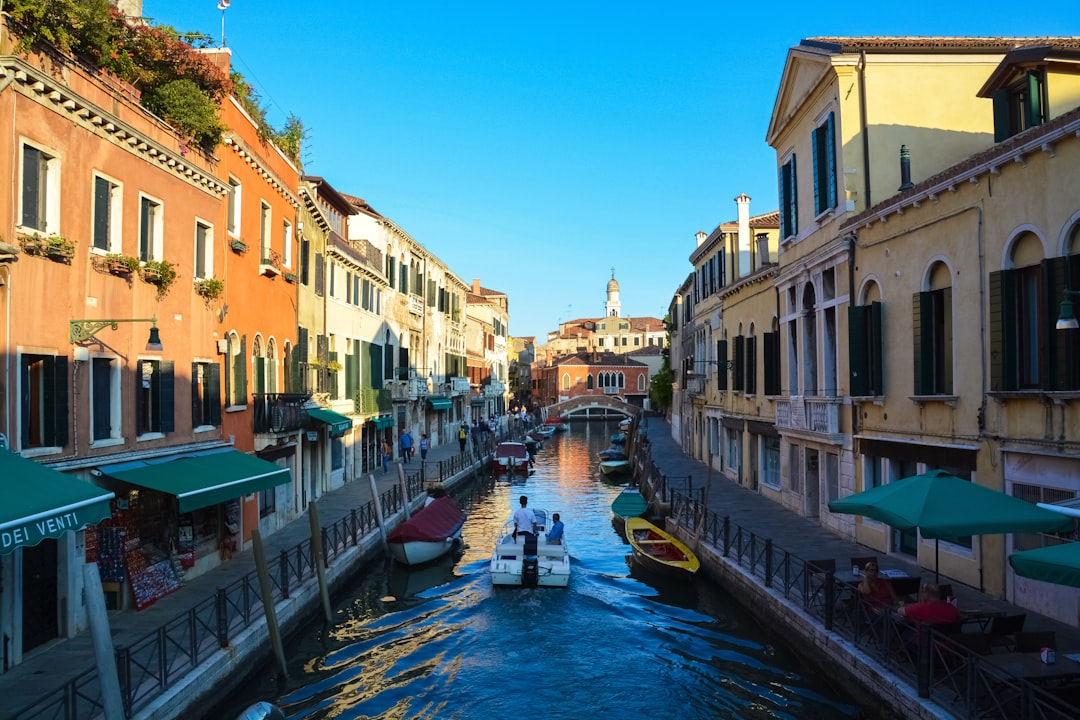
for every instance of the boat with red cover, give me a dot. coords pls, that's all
(429, 534)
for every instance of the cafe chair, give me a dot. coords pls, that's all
(1034, 641)
(946, 590)
(1004, 629)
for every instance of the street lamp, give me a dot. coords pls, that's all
(80, 331)
(1066, 318)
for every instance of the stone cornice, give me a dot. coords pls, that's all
(240, 148)
(49, 92)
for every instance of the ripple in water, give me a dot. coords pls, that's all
(441, 642)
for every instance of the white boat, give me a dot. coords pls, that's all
(530, 561)
(511, 457)
(429, 534)
(614, 467)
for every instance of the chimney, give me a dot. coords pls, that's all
(744, 265)
(701, 235)
(476, 286)
(905, 169)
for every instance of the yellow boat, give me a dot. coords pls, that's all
(657, 550)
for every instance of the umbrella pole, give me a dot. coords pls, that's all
(937, 577)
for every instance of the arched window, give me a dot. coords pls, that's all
(271, 367)
(258, 366)
(566, 381)
(933, 362)
(238, 369)
(589, 382)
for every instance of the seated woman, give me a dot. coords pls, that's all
(876, 592)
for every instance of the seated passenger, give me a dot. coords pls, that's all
(875, 591)
(555, 536)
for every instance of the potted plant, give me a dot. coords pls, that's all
(333, 366)
(238, 246)
(291, 277)
(56, 247)
(209, 288)
(159, 272)
(119, 264)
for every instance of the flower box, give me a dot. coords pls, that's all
(290, 277)
(209, 288)
(54, 247)
(238, 246)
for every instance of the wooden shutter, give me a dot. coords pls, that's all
(771, 348)
(737, 374)
(1057, 347)
(830, 161)
(240, 377)
(922, 326)
(1003, 360)
(876, 348)
(1002, 127)
(56, 401)
(305, 261)
(32, 177)
(166, 396)
(1033, 106)
(721, 365)
(101, 213)
(375, 362)
(751, 365)
(351, 377)
(858, 350)
(213, 393)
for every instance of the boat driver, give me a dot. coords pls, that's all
(524, 519)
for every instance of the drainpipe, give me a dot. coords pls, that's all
(864, 130)
(852, 238)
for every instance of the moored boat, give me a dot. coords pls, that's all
(612, 468)
(511, 457)
(612, 453)
(429, 534)
(530, 560)
(544, 432)
(629, 503)
(657, 550)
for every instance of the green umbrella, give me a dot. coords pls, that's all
(942, 505)
(1058, 564)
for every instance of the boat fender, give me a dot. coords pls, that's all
(262, 711)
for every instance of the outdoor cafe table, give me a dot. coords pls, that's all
(1029, 666)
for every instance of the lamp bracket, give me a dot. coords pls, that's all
(83, 330)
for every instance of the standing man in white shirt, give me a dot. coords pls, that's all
(524, 519)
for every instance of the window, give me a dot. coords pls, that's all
(43, 406)
(734, 449)
(235, 196)
(600, 342)
(204, 250)
(641, 382)
(770, 343)
(566, 382)
(824, 146)
(258, 366)
(1020, 105)
(789, 207)
(865, 350)
(265, 233)
(832, 475)
(270, 384)
(105, 404)
(305, 260)
(107, 219)
(153, 397)
(738, 372)
(320, 275)
(286, 243)
(932, 324)
(150, 229)
(40, 194)
(794, 469)
(751, 365)
(1028, 352)
(770, 461)
(267, 502)
(331, 273)
(205, 395)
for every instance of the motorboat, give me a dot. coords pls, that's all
(625, 425)
(530, 560)
(544, 431)
(629, 503)
(556, 422)
(612, 468)
(429, 534)
(612, 453)
(511, 457)
(618, 439)
(657, 550)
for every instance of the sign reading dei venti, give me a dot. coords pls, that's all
(30, 531)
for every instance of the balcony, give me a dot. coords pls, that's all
(459, 386)
(278, 412)
(812, 414)
(270, 262)
(416, 305)
(611, 390)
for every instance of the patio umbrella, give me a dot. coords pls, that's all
(1058, 564)
(942, 505)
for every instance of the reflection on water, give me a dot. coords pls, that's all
(441, 642)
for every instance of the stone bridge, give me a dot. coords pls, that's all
(593, 407)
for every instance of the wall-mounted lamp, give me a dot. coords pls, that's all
(82, 330)
(1066, 318)
(725, 364)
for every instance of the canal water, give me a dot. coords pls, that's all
(441, 642)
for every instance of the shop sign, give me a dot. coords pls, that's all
(312, 435)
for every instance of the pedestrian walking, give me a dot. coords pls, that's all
(463, 436)
(387, 451)
(425, 444)
(406, 445)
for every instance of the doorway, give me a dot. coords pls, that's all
(39, 587)
(813, 490)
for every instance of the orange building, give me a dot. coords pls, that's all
(584, 374)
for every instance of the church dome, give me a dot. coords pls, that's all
(613, 285)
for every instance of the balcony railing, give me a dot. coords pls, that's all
(278, 412)
(816, 414)
(459, 386)
(270, 262)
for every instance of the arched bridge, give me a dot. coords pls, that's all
(589, 407)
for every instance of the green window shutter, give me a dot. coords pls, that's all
(1002, 130)
(1034, 99)
(859, 350)
(213, 392)
(101, 213)
(196, 404)
(793, 198)
(240, 382)
(830, 159)
(375, 361)
(1003, 360)
(922, 325)
(1057, 348)
(350, 379)
(817, 158)
(167, 396)
(737, 373)
(945, 386)
(877, 349)
(721, 365)
(770, 345)
(751, 365)
(259, 375)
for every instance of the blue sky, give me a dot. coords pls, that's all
(537, 147)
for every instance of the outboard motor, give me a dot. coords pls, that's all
(530, 564)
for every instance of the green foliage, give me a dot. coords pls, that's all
(210, 288)
(660, 390)
(182, 103)
(125, 261)
(161, 273)
(290, 138)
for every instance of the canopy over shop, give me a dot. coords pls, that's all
(41, 503)
(337, 423)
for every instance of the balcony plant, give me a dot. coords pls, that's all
(120, 265)
(54, 247)
(159, 272)
(209, 288)
(291, 277)
(333, 366)
(238, 246)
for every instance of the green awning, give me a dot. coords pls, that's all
(199, 480)
(477, 401)
(439, 402)
(383, 421)
(39, 503)
(339, 424)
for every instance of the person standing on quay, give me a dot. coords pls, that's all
(387, 451)
(406, 445)
(425, 444)
(463, 436)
